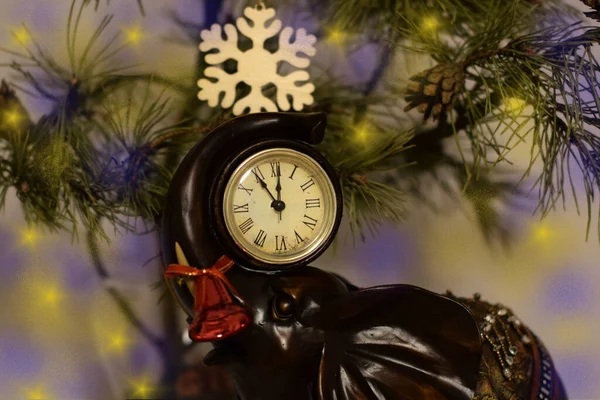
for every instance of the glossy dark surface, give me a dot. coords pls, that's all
(188, 217)
(312, 337)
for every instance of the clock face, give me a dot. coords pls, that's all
(279, 206)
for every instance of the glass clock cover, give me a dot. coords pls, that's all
(279, 206)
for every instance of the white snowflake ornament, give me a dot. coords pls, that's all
(257, 67)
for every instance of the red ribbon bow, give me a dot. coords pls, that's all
(216, 314)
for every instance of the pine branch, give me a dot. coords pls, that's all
(406, 17)
(595, 5)
(62, 174)
(370, 151)
(559, 77)
(490, 198)
(125, 169)
(157, 342)
(140, 5)
(553, 74)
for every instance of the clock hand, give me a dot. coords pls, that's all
(278, 188)
(264, 186)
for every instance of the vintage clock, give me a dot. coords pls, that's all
(256, 191)
(278, 202)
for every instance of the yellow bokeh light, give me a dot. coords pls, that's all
(514, 105)
(363, 131)
(13, 117)
(37, 393)
(141, 388)
(44, 303)
(337, 36)
(30, 237)
(51, 295)
(118, 342)
(543, 234)
(134, 34)
(430, 24)
(22, 36)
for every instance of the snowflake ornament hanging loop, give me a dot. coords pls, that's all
(257, 67)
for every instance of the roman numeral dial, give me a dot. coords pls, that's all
(307, 185)
(260, 238)
(313, 203)
(279, 206)
(241, 209)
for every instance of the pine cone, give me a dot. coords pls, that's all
(433, 91)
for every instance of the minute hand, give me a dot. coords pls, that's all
(264, 185)
(278, 187)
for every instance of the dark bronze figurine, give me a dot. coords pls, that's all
(301, 333)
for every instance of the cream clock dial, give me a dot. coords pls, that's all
(279, 206)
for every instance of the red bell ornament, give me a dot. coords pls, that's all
(217, 314)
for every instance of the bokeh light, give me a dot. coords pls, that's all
(30, 237)
(141, 387)
(337, 36)
(37, 392)
(430, 24)
(118, 342)
(51, 295)
(22, 36)
(363, 131)
(514, 106)
(542, 233)
(134, 35)
(13, 118)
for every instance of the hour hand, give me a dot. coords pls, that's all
(264, 185)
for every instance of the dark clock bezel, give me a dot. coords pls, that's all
(222, 234)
